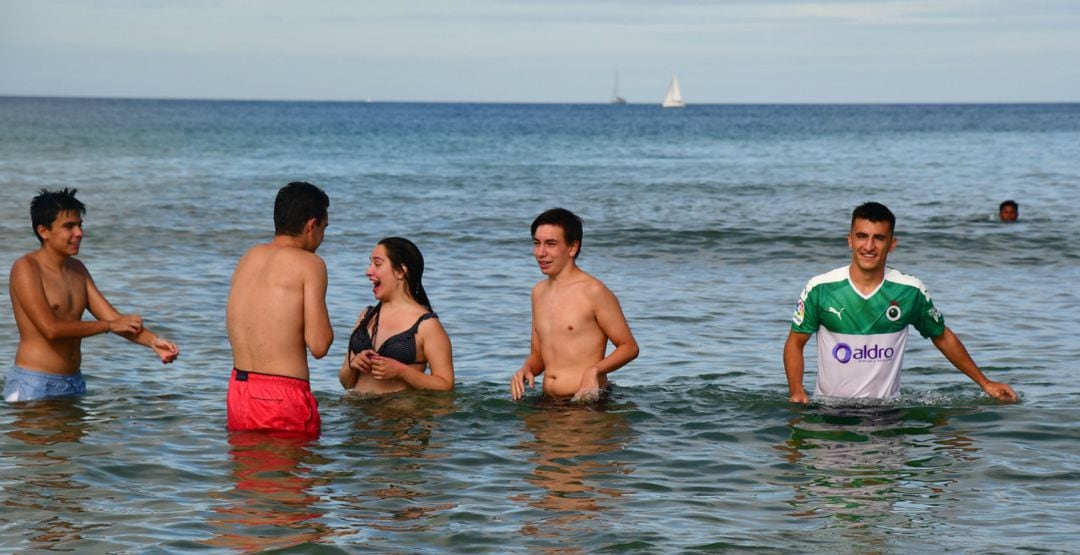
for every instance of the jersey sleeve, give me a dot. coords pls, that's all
(928, 320)
(805, 319)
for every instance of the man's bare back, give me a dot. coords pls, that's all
(277, 309)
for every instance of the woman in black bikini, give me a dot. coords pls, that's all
(397, 339)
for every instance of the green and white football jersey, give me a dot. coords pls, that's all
(861, 339)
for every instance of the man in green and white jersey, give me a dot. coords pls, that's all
(861, 313)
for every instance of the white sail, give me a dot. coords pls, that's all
(615, 98)
(673, 99)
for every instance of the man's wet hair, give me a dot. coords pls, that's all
(47, 205)
(296, 203)
(567, 220)
(1009, 203)
(874, 212)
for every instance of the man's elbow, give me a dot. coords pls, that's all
(51, 332)
(632, 350)
(320, 348)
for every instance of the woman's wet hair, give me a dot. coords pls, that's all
(405, 257)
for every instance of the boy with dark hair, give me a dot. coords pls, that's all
(50, 291)
(1009, 211)
(574, 315)
(861, 313)
(275, 314)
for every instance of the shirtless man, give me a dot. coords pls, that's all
(861, 313)
(276, 313)
(50, 290)
(574, 315)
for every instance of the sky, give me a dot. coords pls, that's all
(723, 51)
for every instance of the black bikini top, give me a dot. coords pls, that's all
(400, 347)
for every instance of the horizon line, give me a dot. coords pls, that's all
(547, 103)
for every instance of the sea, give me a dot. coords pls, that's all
(706, 222)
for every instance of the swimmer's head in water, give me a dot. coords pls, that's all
(1009, 211)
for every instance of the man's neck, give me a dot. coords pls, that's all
(289, 241)
(568, 273)
(51, 259)
(865, 282)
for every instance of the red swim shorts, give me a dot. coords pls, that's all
(267, 402)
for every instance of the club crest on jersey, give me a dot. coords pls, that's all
(893, 313)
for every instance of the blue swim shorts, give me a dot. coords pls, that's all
(28, 385)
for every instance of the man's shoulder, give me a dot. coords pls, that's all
(31, 263)
(896, 278)
(25, 262)
(593, 285)
(830, 278)
(277, 254)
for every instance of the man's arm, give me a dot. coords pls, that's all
(29, 294)
(318, 334)
(530, 369)
(954, 350)
(128, 326)
(612, 322)
(794, 365)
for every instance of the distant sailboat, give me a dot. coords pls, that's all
(673, 99)
(615, 98)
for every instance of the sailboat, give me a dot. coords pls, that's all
(673, 99)
(615, 98)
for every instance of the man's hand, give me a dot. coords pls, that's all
(517, 383)
(1000, 391)
(800, 397)
(166, 350)
(127, 325)
(590, 380)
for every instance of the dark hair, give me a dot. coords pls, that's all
(567, 220)
(874, 212)
(1011, 203)
(296, 203)
(47, 205)
(405, 257)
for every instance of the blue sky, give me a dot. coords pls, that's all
(545, 50)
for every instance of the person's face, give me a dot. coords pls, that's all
(550, 249)
(384, 278)
(1009, 214)
(871, 243)
(65, 234)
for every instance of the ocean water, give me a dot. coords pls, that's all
(705, 222)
